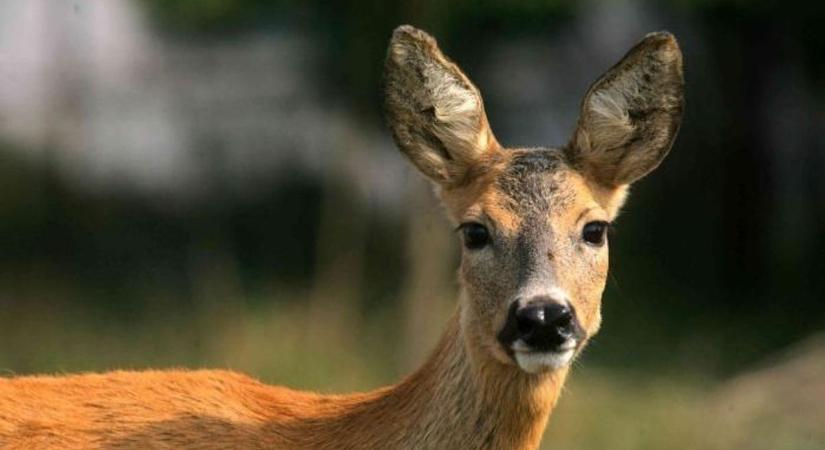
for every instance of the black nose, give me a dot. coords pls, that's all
(545, 324)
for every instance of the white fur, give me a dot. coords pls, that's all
(458, 111)
(532, 361)
(609, 108)
(535, 362)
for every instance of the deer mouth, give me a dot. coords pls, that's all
(532, 360)
(536, 362)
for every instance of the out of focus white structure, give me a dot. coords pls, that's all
(87, 87)
(87, 82)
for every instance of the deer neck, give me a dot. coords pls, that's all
(453, 401)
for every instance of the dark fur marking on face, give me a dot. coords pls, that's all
(536, 160)
(531, 244)
(526, 183)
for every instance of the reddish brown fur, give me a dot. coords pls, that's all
(219, 409)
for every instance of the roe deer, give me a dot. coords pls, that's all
(533, 225)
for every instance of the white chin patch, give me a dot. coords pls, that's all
(535, 362)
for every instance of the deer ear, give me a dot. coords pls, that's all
(435, 113)
(630, 116)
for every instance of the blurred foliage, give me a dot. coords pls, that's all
(356, 32)
(708, 267)
(705, 242)
(211, 16)
(714, 264)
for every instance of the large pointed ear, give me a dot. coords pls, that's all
(630, 116)
(435, 113)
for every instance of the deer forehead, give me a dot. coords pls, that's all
(527, 185)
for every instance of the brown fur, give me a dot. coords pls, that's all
(220, 409)
(471, 393)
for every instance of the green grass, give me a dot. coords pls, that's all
(600, 409)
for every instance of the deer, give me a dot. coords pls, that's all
(533, 229)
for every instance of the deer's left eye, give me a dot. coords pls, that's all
(594, 232)
(476, 235)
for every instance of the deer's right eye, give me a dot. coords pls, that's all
(594, 232)
(476, 235)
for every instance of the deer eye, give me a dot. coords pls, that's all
(594, 232)
(476, 235)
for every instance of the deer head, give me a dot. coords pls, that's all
(532, 221)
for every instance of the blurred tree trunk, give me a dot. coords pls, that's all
(747, 182)
(216, 291)
(335, 302)
(429, 284)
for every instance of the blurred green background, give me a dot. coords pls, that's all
(210, 184)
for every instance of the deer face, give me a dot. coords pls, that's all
(532, 222)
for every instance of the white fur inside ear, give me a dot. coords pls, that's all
(436, 113)
(452, 98)
(609, 110)
(457, 109)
